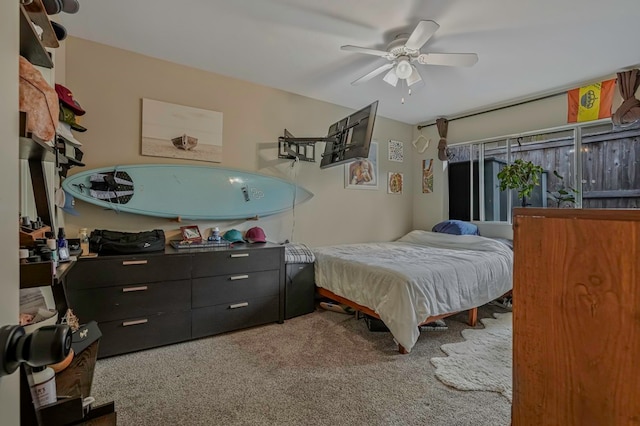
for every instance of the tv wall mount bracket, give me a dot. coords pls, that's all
(290, 147)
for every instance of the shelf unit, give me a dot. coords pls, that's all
(31, 47)
(38, 153)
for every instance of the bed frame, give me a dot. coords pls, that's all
(473, 313)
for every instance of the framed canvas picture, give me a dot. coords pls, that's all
(177, 131)
(396, 151)
(363, 174)
(427, 176)
(395, 182)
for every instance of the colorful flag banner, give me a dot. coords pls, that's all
(590, 102)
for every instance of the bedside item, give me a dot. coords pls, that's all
(456, 227)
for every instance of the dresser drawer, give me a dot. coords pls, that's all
(227, 288)
(126, 301)
(241, 313)
(143, 332)
(236, 261)
(121, 270)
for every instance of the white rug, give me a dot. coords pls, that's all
(483, 361)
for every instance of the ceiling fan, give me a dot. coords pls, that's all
(404, 51)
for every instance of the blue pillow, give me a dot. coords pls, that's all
(456, 227)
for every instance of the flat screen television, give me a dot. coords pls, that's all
(352, 137)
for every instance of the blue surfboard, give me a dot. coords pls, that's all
(188, 192)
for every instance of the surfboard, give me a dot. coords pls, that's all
(187, 192)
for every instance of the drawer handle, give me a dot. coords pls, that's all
(240, 255)
(134, 262)
(239, 305)
(129, 289)
(136, 322)
(239, 277)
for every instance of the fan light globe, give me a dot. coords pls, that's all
(403, 69)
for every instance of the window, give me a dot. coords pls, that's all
(586, 165)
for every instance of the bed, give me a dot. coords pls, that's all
(420, 277)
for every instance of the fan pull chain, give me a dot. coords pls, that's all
(402, 100)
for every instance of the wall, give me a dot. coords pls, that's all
(9, 389)
(110, 83)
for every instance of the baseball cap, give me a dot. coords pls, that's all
(67, 116)
(233, 236)
(255, 235)
(53, 7)
(66, 97)
(64, 131)
(66, 202)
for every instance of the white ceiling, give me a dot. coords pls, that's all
(525, 47)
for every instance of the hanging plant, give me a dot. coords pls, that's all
(522, 176)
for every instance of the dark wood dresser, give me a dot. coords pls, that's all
(576, 317)
(144, 301)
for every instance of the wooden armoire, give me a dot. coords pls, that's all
(576, 317)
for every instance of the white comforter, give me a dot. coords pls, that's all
(420, 275)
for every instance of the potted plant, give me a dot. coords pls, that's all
(564, 195)
(522, 176)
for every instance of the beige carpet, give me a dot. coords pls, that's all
(324, 368)
(483, 361)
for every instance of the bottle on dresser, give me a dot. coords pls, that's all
(43, 386)
(83, 235)
(63, 246)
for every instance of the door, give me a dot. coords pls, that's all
(9, 385)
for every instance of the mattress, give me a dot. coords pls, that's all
(420, 275)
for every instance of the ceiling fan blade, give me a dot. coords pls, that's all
(448, 59)
(391, 78)
(373, 73)
(414, 78)
(365, 50)
(423, 32)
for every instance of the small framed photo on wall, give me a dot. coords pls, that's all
(427, 176)
(396, 151)
(363, 173)
(395, 181)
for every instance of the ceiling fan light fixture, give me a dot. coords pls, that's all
(414, 78)
(391, 78)
(404, 69)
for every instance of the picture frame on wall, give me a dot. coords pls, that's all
(363, 174)
(427, 176)
(178, 131)
(396, 151)
(395, 182)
